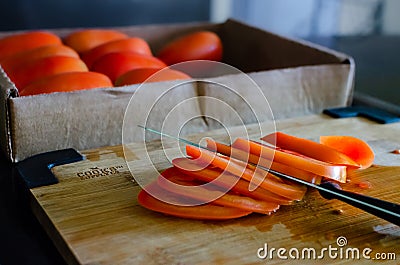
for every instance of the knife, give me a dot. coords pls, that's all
(386, 210)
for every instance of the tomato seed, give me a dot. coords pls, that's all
(364, 185)
(396, 151)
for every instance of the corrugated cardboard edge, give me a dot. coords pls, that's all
(7, 90)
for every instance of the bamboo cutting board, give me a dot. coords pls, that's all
(93, 216)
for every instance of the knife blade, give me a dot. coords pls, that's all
(388, 211)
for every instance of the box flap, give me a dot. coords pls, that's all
(252, 49)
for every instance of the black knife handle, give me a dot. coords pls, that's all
(386, 210)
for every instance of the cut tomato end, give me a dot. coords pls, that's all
(353, 147)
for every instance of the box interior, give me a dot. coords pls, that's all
(312, 77)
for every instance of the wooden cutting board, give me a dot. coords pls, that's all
(93, 216)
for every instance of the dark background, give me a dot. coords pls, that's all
(36, 14)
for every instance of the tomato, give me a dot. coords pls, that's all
(335, 172)
(117, 63)
(84, 40)
(226, 180)
(16, 43)
(200, 212)
(241, 169)
(12, 62)
(353, 147)
(134, 44)
(257, 160)
(309, 148)
(202, 45)
(36, 69)
(174, 181)
(64, 82)
(141, 75)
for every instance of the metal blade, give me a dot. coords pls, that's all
(261, 167)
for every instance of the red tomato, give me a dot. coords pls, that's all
(202, 45)
(25, 41)
(84, 40)
(130, 45)
(70, 81)
(117, 63)
(40, 68)
(10, 63)
(140, 75)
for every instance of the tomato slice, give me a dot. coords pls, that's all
(310, 149)
(353, 147)
(264, 179)
(226, 181)
(201, 212)
(256, 160)
(334, 172)
(175, 181)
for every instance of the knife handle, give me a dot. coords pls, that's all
(386, 210)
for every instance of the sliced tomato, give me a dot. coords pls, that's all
(226, 181)
(334, 172)
(264, 179)
(256, 160)
(201, 212)
(353, 147)
(175, 181)
(310, 149)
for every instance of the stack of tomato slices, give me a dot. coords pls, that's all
(223, 182)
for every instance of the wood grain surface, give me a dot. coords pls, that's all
(93, 216)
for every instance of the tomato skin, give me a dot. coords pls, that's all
(200, 212)
(84, 40)
(64, 82)
(12, 62)
(43, 67)
(117, 63)
(202, 45)
(140, 75)
(16, 43)
(133, 44)
(309, 148)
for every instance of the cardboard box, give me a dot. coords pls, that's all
(296, 77)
